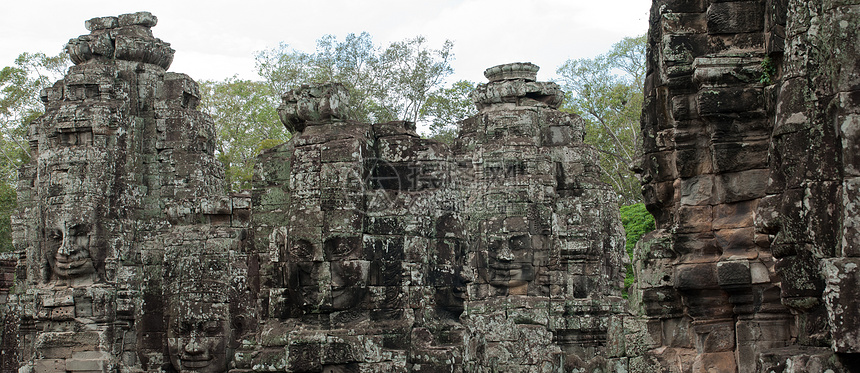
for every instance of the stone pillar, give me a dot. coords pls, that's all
(747, 127)
(545, 241)
(120, 157)
(363, 267)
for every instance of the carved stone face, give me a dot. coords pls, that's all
(69, 253)
(197, 339)
(330, 278)
(451, 298)
(510, 262)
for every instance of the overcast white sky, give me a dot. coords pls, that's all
(217, 39)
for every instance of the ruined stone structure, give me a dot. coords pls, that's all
(365, 248)
(543, 245)
(122, 186)
(749, 168)
(361, 248)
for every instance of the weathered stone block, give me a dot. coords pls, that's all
(684, 23)
(739, 156)
(716, 361)
(734, 273)
(727, 70)
(715, 101)
(715, 336)
(842, 277)
(145, 19)
(737, 243)
(796, 359)
(49, 366)
(849, 132)
(92, 365)
(693, 162)
(683, 49)
(802, 284)
(696, 276)
(697, 190)
(741, 186)
(684, 6)
(735, 215)
(692, 219)
(735, 17)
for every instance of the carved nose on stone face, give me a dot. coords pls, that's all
(66, 247)
(194, 346)
(506, 255)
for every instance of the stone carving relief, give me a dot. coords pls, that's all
(200, 330)
(364, 248)
(120, 158)
(746, 175)
(541, 242)
(197, 337)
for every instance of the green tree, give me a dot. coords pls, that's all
(636, 221)
(607, 91)
(20, 88)
(447, 106)
(246, 122)
(391, 83)
(8, 204)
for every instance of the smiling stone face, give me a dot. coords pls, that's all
(329, 278)
(69, 252)
(510, 261)
(197, 336)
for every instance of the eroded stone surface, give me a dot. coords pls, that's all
(122, 166)
(366, 248)
(406, 255)
(544, 248)
(362, 247)
(747, 168)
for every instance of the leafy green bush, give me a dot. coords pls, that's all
(636, 221)
(7, 207)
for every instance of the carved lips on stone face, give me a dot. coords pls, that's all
(197, 340)
(69, 251)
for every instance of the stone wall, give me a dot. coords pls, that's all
(748, 167)
(121, 168)
(361, 248)
(382, 251)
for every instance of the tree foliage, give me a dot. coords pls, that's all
(607, 91)
(20, 86)
(637, 222)
(246, 121)
(8, 203)
(447, 106)
(391, 83)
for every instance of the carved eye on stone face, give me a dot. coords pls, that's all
(182, 328)
(496, 245)
(339, 248)
(301, 250)
(213, 328)
(520, 242)
(78, 229)
(55, 234)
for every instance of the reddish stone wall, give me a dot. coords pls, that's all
(748, 127)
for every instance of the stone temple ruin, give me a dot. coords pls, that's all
(366, 248)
